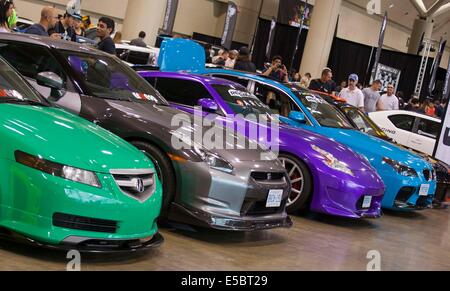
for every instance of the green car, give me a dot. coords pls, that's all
(67, 183)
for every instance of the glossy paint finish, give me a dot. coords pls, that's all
(335, 193)
(29, 198)
(372, 148)
(202, 193)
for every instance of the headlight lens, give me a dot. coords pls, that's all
(400, 168)
(332, 162)
(58, 170)
(214, 161)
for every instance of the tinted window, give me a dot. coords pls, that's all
(184, 92)
(108, 77)
(13, 87)
(241, 101)
(404, 122)
(237, 80)
(325, 114)
(363, 122)
(30, 60)
(278, 102)
(429, 128)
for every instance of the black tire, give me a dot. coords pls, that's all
(165, 173)
(298, 170)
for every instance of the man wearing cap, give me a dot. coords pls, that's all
(389, 101)
(65, 27)
(352, 93)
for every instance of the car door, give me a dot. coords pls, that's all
(424, 136)
(30, 60)
(402, 128)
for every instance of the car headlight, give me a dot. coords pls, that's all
(214, 161)
(400, 168)
(58, 170)
(332, 162)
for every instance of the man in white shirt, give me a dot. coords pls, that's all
(389, 101)
(353, 94)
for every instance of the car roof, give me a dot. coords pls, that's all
(404, 112)
(187, 75)
(254, 76)
(49, 42)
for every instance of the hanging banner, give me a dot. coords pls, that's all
(273, 25)
(380, 45)
(442, 151)
(230, 25)
(446, 93)
(387, 75)
(290, 12)
(434, 69)
(169, 18)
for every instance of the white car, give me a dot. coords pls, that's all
(137, 55)
(413, 130)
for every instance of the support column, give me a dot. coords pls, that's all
(144, 15)
(421, 27)
(320, 36)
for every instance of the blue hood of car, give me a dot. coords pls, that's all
(373, 148)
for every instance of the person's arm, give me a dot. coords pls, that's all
(268, 71)
(380, 106)
(361, 102)
(397, 104)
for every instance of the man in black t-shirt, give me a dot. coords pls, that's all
(105, 28)
(325, 83)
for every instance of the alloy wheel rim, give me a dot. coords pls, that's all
(297, 179)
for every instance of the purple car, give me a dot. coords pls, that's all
(325, 175)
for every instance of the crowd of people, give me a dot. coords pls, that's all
(66, 27)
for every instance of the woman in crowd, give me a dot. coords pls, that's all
(6, 11)
(118, 37)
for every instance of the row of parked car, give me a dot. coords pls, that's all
(90, 163)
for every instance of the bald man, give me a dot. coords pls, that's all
(49, 18)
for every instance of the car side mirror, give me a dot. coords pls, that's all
(208, 105)
(297, 116)
(52, 81)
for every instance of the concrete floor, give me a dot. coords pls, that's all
(418, 241)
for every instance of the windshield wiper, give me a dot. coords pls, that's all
(20, 101)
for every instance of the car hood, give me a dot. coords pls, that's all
(61, 137)
(167, 120)
(374, 148)
(303, 140)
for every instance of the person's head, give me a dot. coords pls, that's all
(353, 80)
(415, 102)
(344, 84)
(277, 61)
(296, 77)
(86, 21)
(49, 17)
(327, 75)
(68, 20)
(77, 23)
(118, 37)
(224, 53)
(142, 34)
(390, 90)
(105, 27)
(233, 54)
(60, 17)
(244, 54)
(376, 85)
(308, 75)
(6, 10)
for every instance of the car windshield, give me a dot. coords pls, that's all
(109, 78)
(325, 114)
(13, 89)
(241, 101)
(363, 122)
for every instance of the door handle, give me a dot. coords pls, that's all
(416, 141)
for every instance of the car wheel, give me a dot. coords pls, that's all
(165, 174)
(301, 181)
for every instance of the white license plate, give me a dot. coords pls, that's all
(367, 202)
(274, 199)
(424, 190)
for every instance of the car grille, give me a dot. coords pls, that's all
(405, 194)
(137, 184)
(84, 223)
(267, 177)
(423, 202)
